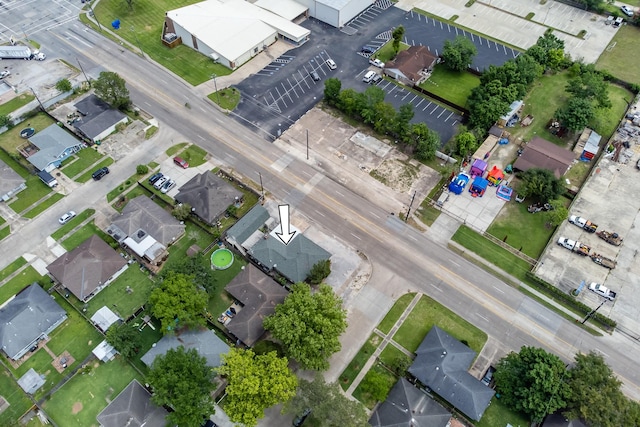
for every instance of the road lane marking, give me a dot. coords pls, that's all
(355, 236)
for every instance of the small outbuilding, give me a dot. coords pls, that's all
(540, 153)
(31, 381)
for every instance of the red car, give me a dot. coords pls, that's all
(181, 162)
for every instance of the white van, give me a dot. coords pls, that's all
(369, 76)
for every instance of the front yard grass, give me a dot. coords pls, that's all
(175, 149)
(366, 398)
(65, 229)
(92, 389)
(390, 354)
(133, 179)
(428, 313)
(41, 207)
(396, 311)
(36, 190)
(498, 414)
(194, 155)
(83, 234)
(357, 363)
(85, 158)
(619, 59)
(5, 232)
(451, 85)
(87, 175)
(227, 98)
(20, 281)
(17, 102)
(12, 268)
(18, 401)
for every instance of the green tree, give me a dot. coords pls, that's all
(319, 272)
(309, 325)
(426, 141)
(533, 382)
(63, 85)
(402, 121)
(558, 214)
(466, 143)
(590, 85)
(575, 114)
(367, 102)
(142, 169)
(332, 87)
(548, 50)
(197, 267)
(256, 382)
(232, 210)
(458, 54)
(329, 406)
(124, 338)
(177, 302)
(540, 184)
(112, 89)
(5, 120)
(348, 102)
(376, 385)
(182, 211)
(397, 34)
(385, 120)
(182, 380)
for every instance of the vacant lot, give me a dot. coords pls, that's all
(621, 60)
(453, 86)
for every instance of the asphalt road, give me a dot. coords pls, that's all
(411, 258)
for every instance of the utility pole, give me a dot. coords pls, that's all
(410, 204)
(94, 16)
(133, 30)
(593, 312)
(261, 187)
(38, 99)
(215, 85)
(85, 74)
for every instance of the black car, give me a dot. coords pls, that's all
(315, 76)
(209, 423)
(488, 377)
(97, 175)
(155, 177)
(299, 420)
(368, 49)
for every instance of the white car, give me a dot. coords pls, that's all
(159, 183)
(331, 64)
(376, 63)
(167, 186)
(66, 217)
(626, 10)
(4, 73)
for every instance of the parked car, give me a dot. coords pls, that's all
(367, 49)
(376, 63)
(315, 76)
(626, 10)
(331, 64)
(603, 291)
(180, 162)
(168, 186)
(155, 177)
(97, 175)
(66, 217)
(159, 183)
(299, 420)
(4, 73)
(488, 376)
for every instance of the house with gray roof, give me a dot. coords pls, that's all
(442, 364)
(259, 295)
(205, 341)
(54, 145)
(98, 119)
(293, 261)
(88, 269)
(246, 227)
(10, 182)
(208, 195)
(133, 408)
(141, 213)
(27, 318)
(408, 406)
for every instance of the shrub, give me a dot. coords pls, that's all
(142, 169)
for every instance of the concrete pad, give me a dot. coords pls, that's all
(371, 144)
(40, 266)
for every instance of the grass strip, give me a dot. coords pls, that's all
(79, 219)
(88, 175)
(41, 207)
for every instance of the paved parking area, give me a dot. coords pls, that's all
(22, 19)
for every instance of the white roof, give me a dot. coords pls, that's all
(288, 9)
(104, 318)
(232, 27)
(104, 351)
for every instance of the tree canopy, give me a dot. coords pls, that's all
(182, 380)
(576, 113)
(466, 143)
(124, 338)
(533, 381)
(397, 34)
(177, 302)
(256, 382)
(112, 89)
(540, 184)
(332, 87)
(329, 406)
(319, 272)
(458, 54)
(309, 325)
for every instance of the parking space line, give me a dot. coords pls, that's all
(288, 92)
(427, 106)
(280, 97)
(456, 30)
(471, 36)
(413, 99)
(454, 123)
(434, 109)
(441, 27)
(421, 101)
(405, 97)
(292, 88)
(448, 117)
(443, 111)
(480, 38)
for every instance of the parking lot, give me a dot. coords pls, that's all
(22, 19)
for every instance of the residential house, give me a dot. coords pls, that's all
(98, 119)
(104, 318)
(10, 182)
(88, 269)
(53, 144)
(540, 153)
(246, 232)
(442, 364)
(26, 319)
(209, 196)
(411, 66)
(259, 295)
(133, 408)
(559, 420)
(408, 406)
(205, 341)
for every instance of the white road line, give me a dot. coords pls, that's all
(413, 238)
(374, 214)
(337, 192)
(426, 106)
(201, 137)
(448, 117)
(434, 109)
(443, 111)
(454, 263)
(482, 317)
(355, 236)
(435, 287)
(499, 290)
(320, 213)
(421, 101)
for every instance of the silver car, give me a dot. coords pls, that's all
(66, 217)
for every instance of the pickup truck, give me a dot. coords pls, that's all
(611, 238)
(603, 261)
(603, 291)
(583, 223)
(572, 245)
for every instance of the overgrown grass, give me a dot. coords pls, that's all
(23, 279)
(65, 229)
(194, 155)
(428, 313)
(18, 401)
(227, 98)
(86, 158)
(12, 268)
(87, 175)
(606, 121)
(366, 398)
(390, 354)
(618, 60)
(451, 85)
(17, 102)
(41, 207)
(357, 363)
(396, 311)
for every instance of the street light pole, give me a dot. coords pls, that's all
(261, 187)
(94, 16)
(215, 85)
(410, 204)
(593, 312)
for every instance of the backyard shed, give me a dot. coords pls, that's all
(591, 146)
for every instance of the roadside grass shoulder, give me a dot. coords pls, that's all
(175, 149)
(12, 268)
(17, 102)
(227, 98)
(132, 180)
(87, 175)
(619, 60)
(5, 232)
(194, 155)
(396, 311)
(41, 207)
(86, 157)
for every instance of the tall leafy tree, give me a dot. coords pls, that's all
(124, 338)
(558, 214)
(540, 184)
(367, 102)
(385, 119)
(548, 50)
(332, 87)
(177, 302)
(533, 381)
(576, 113)
(329, 406)
(182, 380)
(466, 142)
(590, 85)
(309, 325)
(112, 89)
(348, 102)
(403, 118)
(256, 382)
(425, 141)
(458, 54)
(195, 266)
(397, 34)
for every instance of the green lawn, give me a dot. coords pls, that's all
(219, 300)
(193, 235)
(194, 155)
(396, 311)
(118, 299)
(390, 354)
(451, 85)
(19, 403)
(2, 220)
(142, 26)
(618, 60)
(148, 337)
(493, 253)
(227, 98)
(36, 190)
(5, 232)
(357, 363)
(65, 229)
(498, 415)
(41, 207)
(85, 158)
(93, 388)
(387, 53)
(175, 149)
(83, 234)
(87, 175)
(428, 313)
(17, 102)
(132, 180)
(23, 279)
(10, 140)
(606, 121)
(41, 362)
(366, 398)
(12, 268)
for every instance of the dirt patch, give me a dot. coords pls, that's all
(396, 174)
(77, 407)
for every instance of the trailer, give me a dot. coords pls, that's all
(603, 261)
(15, 52)
(611, 238)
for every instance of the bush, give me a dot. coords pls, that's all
(142, 169)
(64, 85)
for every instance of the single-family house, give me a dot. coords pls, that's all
(259, 295)
(408, 406)
(104, 317)
(133, 408)
(88, 269)
(540, 153)
(206, 342)
(10, 182)
(54, 144)
(411, 66)
(442, 364)
(246, 232)
(98, 119)
(209, 196)
(141, 213)
(28, 317)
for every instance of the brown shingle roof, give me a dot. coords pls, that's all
(540, 153)
(413, 60)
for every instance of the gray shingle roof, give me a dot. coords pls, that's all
(142, 213)
(407, 406)
(132, 408)
(31, 381)
(10, 181)
(209, 195)
(441, 364)
(248, 224)
(98, 116)
(259, 295)
(55, 144)
(205, 341)
(294, 261)
(30, 315)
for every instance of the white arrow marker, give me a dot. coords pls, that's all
(285, 225)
